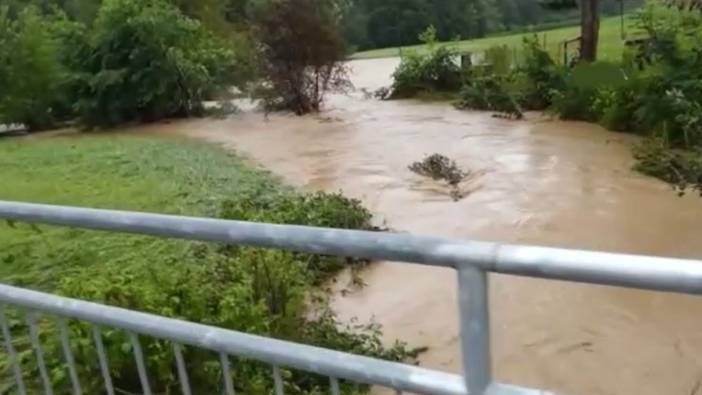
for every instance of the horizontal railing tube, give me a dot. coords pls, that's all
(275, 352)
(664, 274)
(328, 241)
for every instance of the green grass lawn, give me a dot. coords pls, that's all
(261, 291)
(610, 46)
(173, 176)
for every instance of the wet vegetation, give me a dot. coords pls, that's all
(653, 91)
(681, 168)
(142, 61)
(259, 291)
(102, 63)
(301, 63)
(137, 61)
(440, 167)
(435, 72)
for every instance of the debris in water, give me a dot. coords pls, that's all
(383, 93)
(439, 167)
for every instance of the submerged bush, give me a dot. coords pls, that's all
(301, 54)
(439, 167)
(507, 84)
(683, 170)
(436, 71)
(491, 93)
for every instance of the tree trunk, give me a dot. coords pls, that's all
(590, 29)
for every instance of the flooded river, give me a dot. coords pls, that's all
(537, 181)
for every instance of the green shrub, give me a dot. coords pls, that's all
(31, 74)
(246, 289)
(145, 61)
(318, 209)
(489, 92)
(508, 84)
(584, 95)
(536, 75)
(499, 59)
(574, 104)
(252, 290)
(616, 108)
(437, 71)
(267, 292)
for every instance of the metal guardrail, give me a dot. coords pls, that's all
(472, 260)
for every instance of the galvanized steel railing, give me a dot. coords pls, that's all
(472, 260)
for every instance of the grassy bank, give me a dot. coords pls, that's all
(611, 44)
(253, 290)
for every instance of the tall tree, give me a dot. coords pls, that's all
(302, 54)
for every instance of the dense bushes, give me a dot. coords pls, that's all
(509, 84)
(435, 72)
(141, 61)
(655, 91)
(318, 209)
(536, 76)
(137, 61)
(266, 292)
(489, 92)
(250, 290)
(31, 74)
(145, 61)
(502, 82)
(588, 91)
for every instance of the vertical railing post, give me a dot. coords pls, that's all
(474, 313)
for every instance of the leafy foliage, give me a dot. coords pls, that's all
(31, 74)
(489, 92)
(115, 61)
(302, 53)
(508, 84)
(657, 91)
(265, 292)
(435, 71)
(536, 75)
(146, 61)
(318, 209)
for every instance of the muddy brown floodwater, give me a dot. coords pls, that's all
(537, 181)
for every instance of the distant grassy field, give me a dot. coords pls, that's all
(610, 46)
